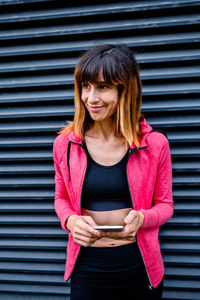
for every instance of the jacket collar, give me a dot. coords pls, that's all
(145, 128)
(74, 138)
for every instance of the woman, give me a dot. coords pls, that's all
(112, 169)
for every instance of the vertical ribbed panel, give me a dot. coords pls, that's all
(40, 44)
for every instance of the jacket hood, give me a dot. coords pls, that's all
(145, 127)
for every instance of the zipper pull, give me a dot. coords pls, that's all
(150, 287)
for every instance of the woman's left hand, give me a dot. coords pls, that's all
(134, 221)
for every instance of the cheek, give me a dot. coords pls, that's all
(114, 108)
(115, 98)
(115, 102)
(83, 96)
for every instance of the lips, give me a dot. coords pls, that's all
(95, 108)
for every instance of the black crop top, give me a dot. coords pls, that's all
(105, 187)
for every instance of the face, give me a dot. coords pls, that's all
(100, 99)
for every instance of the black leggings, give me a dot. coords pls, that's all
(114, 273)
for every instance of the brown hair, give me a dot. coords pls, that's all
(118, 66)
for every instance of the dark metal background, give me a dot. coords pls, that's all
(40, 42)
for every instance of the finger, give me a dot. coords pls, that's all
(86, 225)
(84, 239)
(116, 234)
(90, 221)
(92, 231)
(128, 232)
(132, 215)
(129, 237)
(80, 242)
(79, 232)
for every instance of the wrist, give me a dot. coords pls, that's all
(70, 221)
(141, 216)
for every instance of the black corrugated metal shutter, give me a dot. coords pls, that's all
(40, 43)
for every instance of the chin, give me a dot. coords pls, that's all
(96, 117)
(99, 117)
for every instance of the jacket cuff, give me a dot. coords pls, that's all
(151, 218)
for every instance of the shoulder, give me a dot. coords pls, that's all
(60, 145)
(60, 140)
(157, 142)
(157, 135)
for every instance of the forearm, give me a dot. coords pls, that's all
(158, 215)
(63, 210)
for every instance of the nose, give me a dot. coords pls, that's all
(93, 95)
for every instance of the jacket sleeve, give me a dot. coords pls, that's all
(162, 204)
(62, 201)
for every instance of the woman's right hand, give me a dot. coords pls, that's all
(81, 228)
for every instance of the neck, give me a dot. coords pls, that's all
(102, 130)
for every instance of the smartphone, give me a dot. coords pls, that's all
(109, 227)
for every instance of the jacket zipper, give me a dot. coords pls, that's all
(80, 200)
(83, 181)
(150, 284)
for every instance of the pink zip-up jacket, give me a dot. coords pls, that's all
(149, 174)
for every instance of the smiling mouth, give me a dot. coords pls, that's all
(95, 108)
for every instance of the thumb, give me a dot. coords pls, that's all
(130, 217)
(90, 221)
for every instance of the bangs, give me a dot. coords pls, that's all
(100, 65)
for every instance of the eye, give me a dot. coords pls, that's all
(85, 85)
(103, 86)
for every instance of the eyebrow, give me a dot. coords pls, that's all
(103, 82)
(98, 82)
